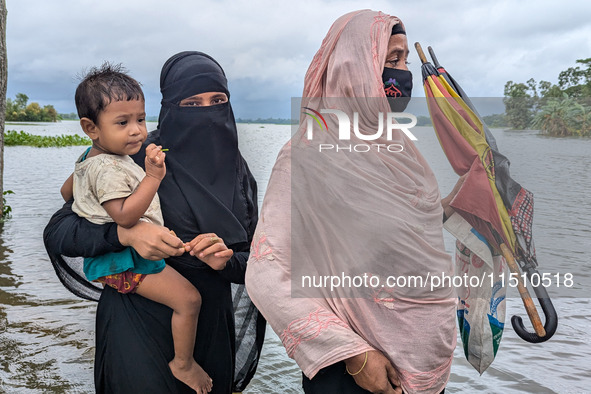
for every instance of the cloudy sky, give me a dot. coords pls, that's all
(265, 46)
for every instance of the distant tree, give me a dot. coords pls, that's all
(267, 121)
(495, 120)
(21, 100)
(561, 110)
(563, 117)
(576, 81)
(49, 113)
(547, 89)
(519, 104)
(18, 110)
(15, 110)
(33, 112)
(3, 78)
(74, 116)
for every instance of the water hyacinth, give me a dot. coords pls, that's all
(14, 138)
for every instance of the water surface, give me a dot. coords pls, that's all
(47, 334)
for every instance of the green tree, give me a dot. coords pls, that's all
(74, 116)
(561, 110)
(548, 91)
(21, 101)
(49, 113)
(519, 104)
(34, 112)
(576, 81)
(495, 120)
(563, 117)
(18, 110)
(10, 108)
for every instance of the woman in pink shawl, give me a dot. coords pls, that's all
(351, 228)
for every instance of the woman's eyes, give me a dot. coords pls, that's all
(395, 62)
(214, 101)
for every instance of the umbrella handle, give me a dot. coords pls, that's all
(530, 308)
(433, 57)
(549, 312)
(421, 53)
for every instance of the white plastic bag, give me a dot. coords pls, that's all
(481, 306)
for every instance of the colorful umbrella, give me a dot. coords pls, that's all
(494, 204)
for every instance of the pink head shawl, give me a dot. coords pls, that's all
(349, 214)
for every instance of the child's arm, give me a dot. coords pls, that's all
(67, 189)
(126, 212)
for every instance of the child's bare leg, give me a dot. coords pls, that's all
(173, 290)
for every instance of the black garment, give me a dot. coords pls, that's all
(133, 337)
(201, 192)
(59, 236)
(204, 166)
(333, 379)
(134, 342)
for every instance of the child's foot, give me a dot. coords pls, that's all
(192, 375)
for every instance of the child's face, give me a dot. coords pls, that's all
(121, 127)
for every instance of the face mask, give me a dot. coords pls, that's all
(398, 85)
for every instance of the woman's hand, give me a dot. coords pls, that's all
(151, 241)
(377, 375)
(210, 249)
(447, 210)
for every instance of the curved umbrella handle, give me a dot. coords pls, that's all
(528, 303)
(549, 312)
(421, 53)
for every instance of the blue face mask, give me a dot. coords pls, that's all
(398, 87)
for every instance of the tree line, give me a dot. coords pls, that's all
(19, 110)
(562, 109)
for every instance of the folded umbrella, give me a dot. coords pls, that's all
(489, 200)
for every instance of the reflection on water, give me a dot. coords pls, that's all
(47, 334)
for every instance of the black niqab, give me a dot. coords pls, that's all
(204, 166)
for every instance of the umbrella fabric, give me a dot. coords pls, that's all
(461, 133)
(462, 138)
(517, 200)
(502, 213)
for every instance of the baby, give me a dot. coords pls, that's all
(108, 186)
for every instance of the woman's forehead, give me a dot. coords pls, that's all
(398, 43)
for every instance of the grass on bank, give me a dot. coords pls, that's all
(14, 138)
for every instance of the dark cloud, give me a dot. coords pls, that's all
(266, 46)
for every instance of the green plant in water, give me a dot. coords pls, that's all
(13, 138)
(6, 208)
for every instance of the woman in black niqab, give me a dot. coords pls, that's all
(205, 170)
(208, 188)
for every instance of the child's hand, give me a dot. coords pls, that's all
(155, 166)
(210, 249)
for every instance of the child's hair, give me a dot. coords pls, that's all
(104, 84)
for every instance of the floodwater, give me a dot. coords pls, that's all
(47, 334)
